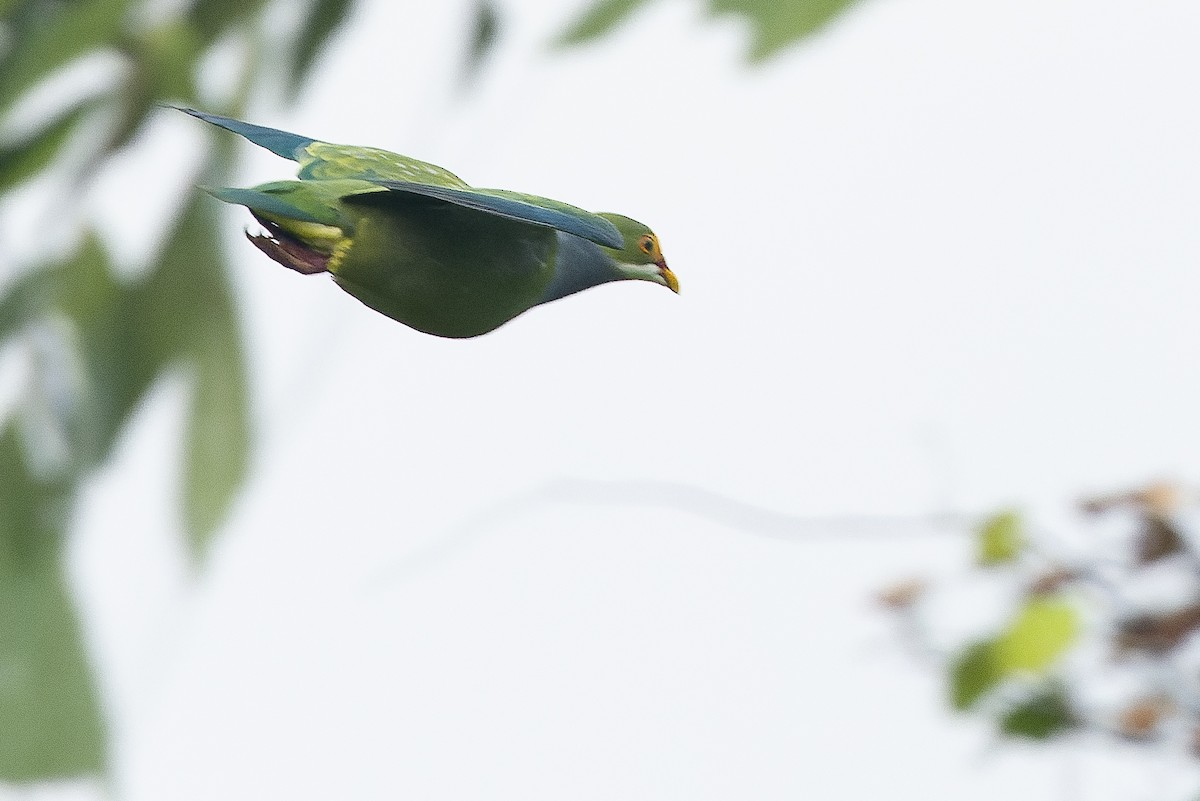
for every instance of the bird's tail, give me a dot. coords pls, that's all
(281, 143)
(271, 199)
(295, 238)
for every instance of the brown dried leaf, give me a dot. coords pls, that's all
(1052, 581)
(902, 596)
(1141, 719)
(1158, 633)
(1157, 539)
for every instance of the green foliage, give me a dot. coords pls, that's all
(50, 722)
(33, 513)
(1000, 539)
(211, 18)
(599, 20)
(775, 24)
(82, 293)
(323, 18)
(1043, 630)
(972, 674)
(162, 64)
(1040, 717)
(1020, 677)
(182, 313)
(186, 312)
(778, 24)
(48, 709)
(21, 160)
(48, 35)
(485, 28)
(109, 341)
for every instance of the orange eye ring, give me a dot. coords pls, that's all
(646, 243)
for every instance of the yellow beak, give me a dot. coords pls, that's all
(669, 277)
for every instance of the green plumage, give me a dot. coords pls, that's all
(464, 273)
(418, 244)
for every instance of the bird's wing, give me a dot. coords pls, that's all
(324, 161)
(300, 201)
(281, 143)
(512, 205)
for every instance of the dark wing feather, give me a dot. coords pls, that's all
(515, 206)
(281, 143)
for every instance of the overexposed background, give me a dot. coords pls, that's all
(939, 258)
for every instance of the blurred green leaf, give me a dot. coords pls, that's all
(84, 290)
(973, 673)
(6, 7)
(217, 437)
(1000, 539)
(779, 23)
(33, 513)
(54, 37)
(48, 711)
(171, 52)
(324, 17)
(167, 317)
(25, 299)
(181, 313)
(49, 717)
(164, 65)
(22, 160)
(117, 337)
(485, 28)
(211, 18)
(598, 20)
(117, 377)
(187, 313)
(117, 369)
(1041, 717)
(775, 24)
(1042, 632)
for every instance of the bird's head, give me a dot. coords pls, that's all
(641, 258)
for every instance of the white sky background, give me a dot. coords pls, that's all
(942, 257)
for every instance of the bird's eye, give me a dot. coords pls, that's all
(646, 244)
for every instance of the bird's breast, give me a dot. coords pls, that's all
(444, 269)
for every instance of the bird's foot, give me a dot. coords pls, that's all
(288, 251)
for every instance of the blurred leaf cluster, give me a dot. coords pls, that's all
(1104, 631)
(774, 24)
(96, 342)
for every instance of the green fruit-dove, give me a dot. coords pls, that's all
(418, 244)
